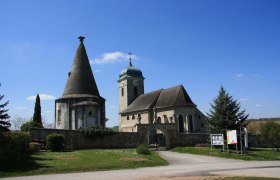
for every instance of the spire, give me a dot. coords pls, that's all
(80, 78)
(130, 58)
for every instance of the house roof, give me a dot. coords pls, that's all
(163, 98)
(80, 79)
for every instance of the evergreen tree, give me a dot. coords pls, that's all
(37, 111)
(4, 117)
(225, 113)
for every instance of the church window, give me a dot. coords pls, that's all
(135, 91)
(122, 92)
(202, 125)
(159, 120)
(181, 124)
(127, 117)
(58, 116)
(133, 117)
(165, 119)
(190, 123)
(90, 113)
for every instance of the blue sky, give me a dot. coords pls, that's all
(199, 44)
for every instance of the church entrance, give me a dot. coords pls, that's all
(157, 139)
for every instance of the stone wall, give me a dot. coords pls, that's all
(75, 140)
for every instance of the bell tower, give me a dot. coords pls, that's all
(130, 85)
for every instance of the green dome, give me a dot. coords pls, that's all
(131, 71)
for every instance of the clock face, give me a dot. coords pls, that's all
(135, 81)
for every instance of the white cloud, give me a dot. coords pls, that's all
(239, 75)
(258, 105)
(243, 99)
(112, 57)
(44, 97)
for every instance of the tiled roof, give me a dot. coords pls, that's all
(163, 98)
(80, 78)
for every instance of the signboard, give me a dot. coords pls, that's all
(231, 137)
(217, 139)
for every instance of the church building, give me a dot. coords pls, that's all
(164, 106)
(81, 104)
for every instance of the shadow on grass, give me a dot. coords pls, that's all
(25, 164)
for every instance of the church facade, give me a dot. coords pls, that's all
(171, 106)
(81, 104)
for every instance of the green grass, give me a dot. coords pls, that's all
(259, 154)
(81, 161)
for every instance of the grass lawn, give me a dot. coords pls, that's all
(259, 154)
(81, 161)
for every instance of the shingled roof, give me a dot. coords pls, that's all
(174, 96)
(143, 102)
(80, 81)
(163, 98)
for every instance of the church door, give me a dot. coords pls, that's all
(181, 124)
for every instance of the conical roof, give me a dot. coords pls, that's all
(80, 81)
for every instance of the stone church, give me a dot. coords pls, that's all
(80, 104)
(172, 106)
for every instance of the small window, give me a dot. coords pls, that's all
(135, 91)
(202, 125)
(133, 117)
(122, 92)
(127, 117)
(90, 113)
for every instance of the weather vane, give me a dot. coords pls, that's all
(81, 38)
(130, 58)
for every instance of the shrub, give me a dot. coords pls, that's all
(13, 146)
(30, 124)
(34, 147)
(142, 149)
(55, 142)
(96, 132)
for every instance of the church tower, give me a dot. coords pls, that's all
(80, 105)
(130, 84)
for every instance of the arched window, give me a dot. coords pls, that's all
(90, 113)
(181, 123)
(122, 92)
(133, 117)
(165, 119)
(190, 123)
(159, 120)
(127, 117)
(135, 90)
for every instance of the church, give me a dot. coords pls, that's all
(172, 106)
(81, 104)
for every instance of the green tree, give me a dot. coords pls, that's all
(225, 113)
(37, 118)
(270, 133)
(4, 117)
(30, 124)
